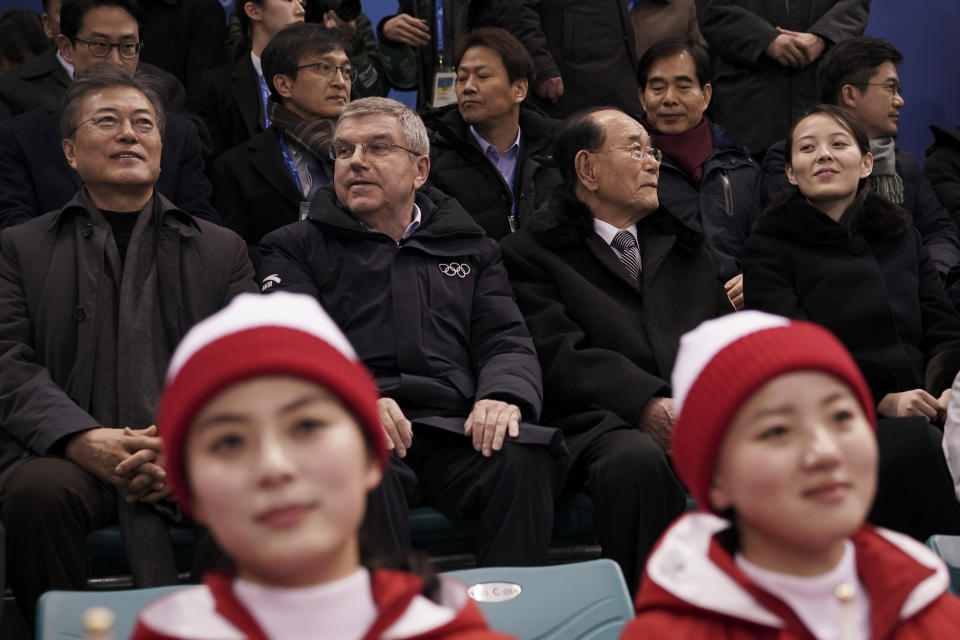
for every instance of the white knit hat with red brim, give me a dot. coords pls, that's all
(277, 334)
(721, 363)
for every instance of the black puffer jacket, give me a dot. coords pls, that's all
(727, 203)
(459, 168)
(867, 278)
(942, 168)
(432, 317)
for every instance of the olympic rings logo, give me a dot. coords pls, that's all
(458, 269)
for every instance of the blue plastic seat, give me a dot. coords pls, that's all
(583, 600)
(948, 548)
(60, 613)
(107, 557)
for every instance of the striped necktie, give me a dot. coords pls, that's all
(626, 244)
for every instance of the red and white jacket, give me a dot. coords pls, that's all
(693, 589)
(212, 612)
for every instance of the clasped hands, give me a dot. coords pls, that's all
(488, 425)
(131, 459)
(795, 49)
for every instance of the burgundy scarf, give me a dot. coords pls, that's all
(689, 150)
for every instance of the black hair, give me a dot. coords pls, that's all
(21, 36)
(853, 62)
(72, 12)
(107, 75)
(844, 117)
(293, 42)
(670, 47)
(579, 131)
(514, 56)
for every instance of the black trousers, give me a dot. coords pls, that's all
(48, 506)
(509, 494)
(635, 495)
(914, 491)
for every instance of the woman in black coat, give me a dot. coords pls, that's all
(832, 252)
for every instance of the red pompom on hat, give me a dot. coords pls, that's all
(721, 363)
(255, 335)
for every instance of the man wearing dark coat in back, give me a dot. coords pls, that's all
(608, 282)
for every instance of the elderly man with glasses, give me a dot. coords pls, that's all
(93, 299)
(422, 295)
(269, 180)
(34, 178)
(608, 281)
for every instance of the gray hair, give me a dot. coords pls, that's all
(101, 76)
(411, 126)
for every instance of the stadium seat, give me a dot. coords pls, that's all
(948, 548)
(584, 600)
(60, 613)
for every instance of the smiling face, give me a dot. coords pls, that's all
(368, 184)
(877, 108)
(484, 91)
(312, 95)
(127, 159)
(279, 471)
(102, 24)
(798, 465)
(673, 99)
(826, 162)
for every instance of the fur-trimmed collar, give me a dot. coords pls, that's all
(793, 217)
(566, 221)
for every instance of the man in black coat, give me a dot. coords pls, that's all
(765, 57)
(34, 178)
(489, 151)
(423, 297)
(93, 299)
(43, 79)
(860, 75)
(268, 181)
(584, 51)
(608, 282)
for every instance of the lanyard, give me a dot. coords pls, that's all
(264, 97)
(441, 48)
(288, 160)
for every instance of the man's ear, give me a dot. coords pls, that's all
(423, 171)
(707, 95)
(791, 177)
(586, 170)
(283, 84)
(849, 96)
(70, 152)
(66, 47)
(519, 90)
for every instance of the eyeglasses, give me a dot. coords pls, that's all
(893, 88)
(328, 70)
(343, 150)
(111, 124)
(639, 152)
(101, 48)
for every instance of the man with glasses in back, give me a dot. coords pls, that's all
(35, 178)
(608, 281)
(422, 295)
(269, 180)
(860, 75)
(93, 299)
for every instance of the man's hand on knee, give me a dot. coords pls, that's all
(398, 429)
(657, 419)
(490, 422)
(99, 451)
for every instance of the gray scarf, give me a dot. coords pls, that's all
(886, 182)
(130, 365)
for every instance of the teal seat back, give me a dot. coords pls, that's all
(60, 613)
(948, 548)
(584, 600)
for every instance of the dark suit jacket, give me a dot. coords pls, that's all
(228, 101)
(41, 80)
(35, 177)
(253, 191)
